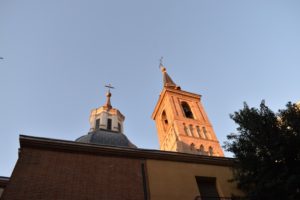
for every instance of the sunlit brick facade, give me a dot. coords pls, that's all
(182, 123)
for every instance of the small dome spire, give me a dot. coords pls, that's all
(108, 95)
(106, 126)
(108, 104)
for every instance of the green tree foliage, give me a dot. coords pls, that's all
(267, 152)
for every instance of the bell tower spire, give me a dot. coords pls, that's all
(182, 123)
(167, 80)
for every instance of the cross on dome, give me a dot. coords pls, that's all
(108, 95)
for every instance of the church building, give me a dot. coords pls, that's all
(105, 164)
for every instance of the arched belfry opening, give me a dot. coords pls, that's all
(164, 120)
(187, 110)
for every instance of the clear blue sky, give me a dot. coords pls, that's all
(58, 55)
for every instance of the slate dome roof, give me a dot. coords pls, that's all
(105, 137)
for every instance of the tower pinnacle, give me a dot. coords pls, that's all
(167, 80)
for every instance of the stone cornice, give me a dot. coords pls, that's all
(75, 147)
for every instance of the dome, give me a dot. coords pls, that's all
(105, 137)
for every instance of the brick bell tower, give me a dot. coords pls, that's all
(181, 122)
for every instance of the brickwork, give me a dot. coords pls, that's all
(45, 174)
(177, 132)
(3, 183)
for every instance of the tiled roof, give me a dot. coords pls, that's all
(105, 137)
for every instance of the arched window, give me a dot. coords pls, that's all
(208, 135)
(198, 132)
(119, 128)
(97, 125)
(109, 121)
(204, 132)
(164, 120)
(192, 147)
(191, 130)
(187, 110)
(187, 130)
(210, 151)
(201, 149)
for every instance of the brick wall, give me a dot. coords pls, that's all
(54, 175)
(1, 191)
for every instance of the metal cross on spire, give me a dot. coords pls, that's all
(108, 95)
(109, 86)
(161, 66)
(161, 61)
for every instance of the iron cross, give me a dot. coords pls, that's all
(109, 86)
(161, 61)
